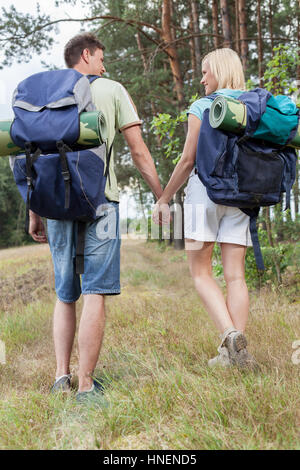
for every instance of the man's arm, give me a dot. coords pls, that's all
(36, 228)
(142, 158)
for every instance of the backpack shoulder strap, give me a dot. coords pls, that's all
(79, 260)
(212, 96)
(92, 78)
(253, 214)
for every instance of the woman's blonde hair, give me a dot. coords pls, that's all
(227, 68)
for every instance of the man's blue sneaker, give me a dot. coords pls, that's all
(62, 384)
(94, 395)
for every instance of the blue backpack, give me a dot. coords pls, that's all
(57, 178)
(245, 172)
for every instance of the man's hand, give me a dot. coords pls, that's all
(36, 228)
(161, 213)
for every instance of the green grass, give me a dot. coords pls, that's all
(24, 326)
(154, 358)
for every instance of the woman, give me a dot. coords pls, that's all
(207, 222)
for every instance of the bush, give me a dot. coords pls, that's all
(279, 257)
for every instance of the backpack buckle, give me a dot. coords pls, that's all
(66, 175)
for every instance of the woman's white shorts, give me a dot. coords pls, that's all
(209, 222)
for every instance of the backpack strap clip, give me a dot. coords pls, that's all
(62, 149)
(106, 174)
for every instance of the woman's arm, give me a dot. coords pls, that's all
(186, 163)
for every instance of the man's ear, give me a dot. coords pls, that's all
(86, 55)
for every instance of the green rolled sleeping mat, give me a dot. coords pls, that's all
(230, 115)
(93, 132)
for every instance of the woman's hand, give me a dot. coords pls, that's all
(161, 213)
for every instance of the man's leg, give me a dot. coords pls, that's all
(90, 336)
(64, 327)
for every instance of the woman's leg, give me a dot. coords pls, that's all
(233, 258)
(200, 257)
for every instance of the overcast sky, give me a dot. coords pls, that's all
(11, 76)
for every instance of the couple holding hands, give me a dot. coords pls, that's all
(204, 224)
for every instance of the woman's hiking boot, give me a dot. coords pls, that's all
(236, 345)
(222, 359)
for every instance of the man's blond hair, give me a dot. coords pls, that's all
(227, 68)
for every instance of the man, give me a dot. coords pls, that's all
(84, 53)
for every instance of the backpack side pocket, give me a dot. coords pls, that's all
(259, 172)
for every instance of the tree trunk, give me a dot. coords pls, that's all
(267, 220)
(243, 32)
(173, 32)
(226, 23)
(196, 30)
(279, 221)
(237, 28)
(192, 49)
(215, 23)
(271, 25)
(142, 51)
(170, 48)
(144, 60)
(209, 25)
(276, 84)
(259, 46)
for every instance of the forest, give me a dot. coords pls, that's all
(155, 48)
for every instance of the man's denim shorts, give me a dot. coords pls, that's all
(101, 255)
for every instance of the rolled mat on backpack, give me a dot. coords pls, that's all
(93, 132)
(230, 115)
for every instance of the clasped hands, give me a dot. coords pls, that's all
(161, 213)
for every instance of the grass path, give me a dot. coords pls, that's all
(157, 343)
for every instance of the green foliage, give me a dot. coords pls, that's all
(250, 84)
(169, 129)
(281, 70)
(22, 32)
(285, 228)
(12, 209)
(166, 127)
(281, 256)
